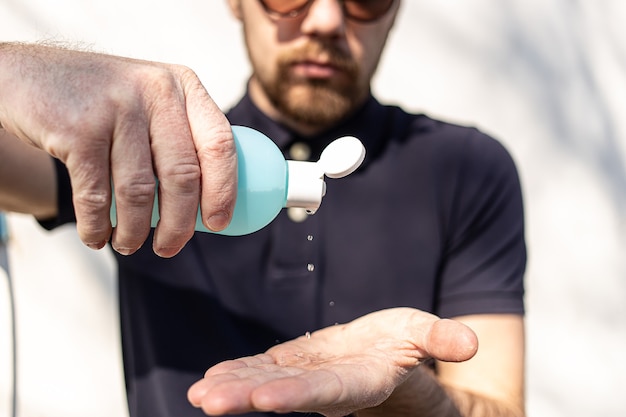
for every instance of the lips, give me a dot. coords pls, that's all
(318, 61)
(315, 69)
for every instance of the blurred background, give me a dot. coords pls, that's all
(546, 78)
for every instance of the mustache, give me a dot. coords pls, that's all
(317, 51)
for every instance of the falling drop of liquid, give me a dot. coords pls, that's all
(307, 335)
(297, 214)
(310, 267)
(331, 304)
(309, 238)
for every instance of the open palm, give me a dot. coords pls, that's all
(336, 370)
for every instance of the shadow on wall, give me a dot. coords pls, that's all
(577, 103)
(567, 59)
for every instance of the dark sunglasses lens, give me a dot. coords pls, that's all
(367, 10)
(284, 6)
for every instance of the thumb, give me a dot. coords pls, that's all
(450, 341)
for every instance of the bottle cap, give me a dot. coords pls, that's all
(306, 185)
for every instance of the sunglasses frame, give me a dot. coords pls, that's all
(307, 4)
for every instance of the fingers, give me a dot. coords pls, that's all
(216, 153)
(185, 142)
(228, 386)
(195, 161)
(177, 168)
(134, 185)
(190, 151)
(91, 191)
(317, 391)
(226, 394)
(258, 384)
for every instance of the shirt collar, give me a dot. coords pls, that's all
(367, 124)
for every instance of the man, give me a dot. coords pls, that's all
(432, 222)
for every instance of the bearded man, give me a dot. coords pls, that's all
(373, 306)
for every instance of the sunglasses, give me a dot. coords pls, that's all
(358, 10)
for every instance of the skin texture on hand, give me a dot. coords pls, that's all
(112, 118)
(336, 370)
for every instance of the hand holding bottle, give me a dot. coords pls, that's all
(130, 121)
(267, 183)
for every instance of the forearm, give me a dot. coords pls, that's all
(423, 396)
(474, 405)
(27, 180)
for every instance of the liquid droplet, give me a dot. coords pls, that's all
(307, 335)
(310, 267)
(300, 151)
(297, 214)
(331, 304)
(309, 238)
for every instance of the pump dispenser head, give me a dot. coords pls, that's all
(305, 184)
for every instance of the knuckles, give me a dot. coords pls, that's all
(221, 146)
(136, 193)
(91, 200)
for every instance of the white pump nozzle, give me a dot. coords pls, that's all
(306, 185)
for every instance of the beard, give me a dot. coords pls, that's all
(319, 102)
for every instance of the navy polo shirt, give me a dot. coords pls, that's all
(433, 219)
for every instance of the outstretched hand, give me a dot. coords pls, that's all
(336, 370)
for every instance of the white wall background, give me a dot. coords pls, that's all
(546, 78)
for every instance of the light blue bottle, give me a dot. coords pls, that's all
(268, 183)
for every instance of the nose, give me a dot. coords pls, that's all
(324, 18)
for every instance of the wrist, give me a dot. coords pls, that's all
(420, 395)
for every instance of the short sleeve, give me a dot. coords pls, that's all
(64, 199)
(485, 252)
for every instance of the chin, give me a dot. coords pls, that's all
(316, 106)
